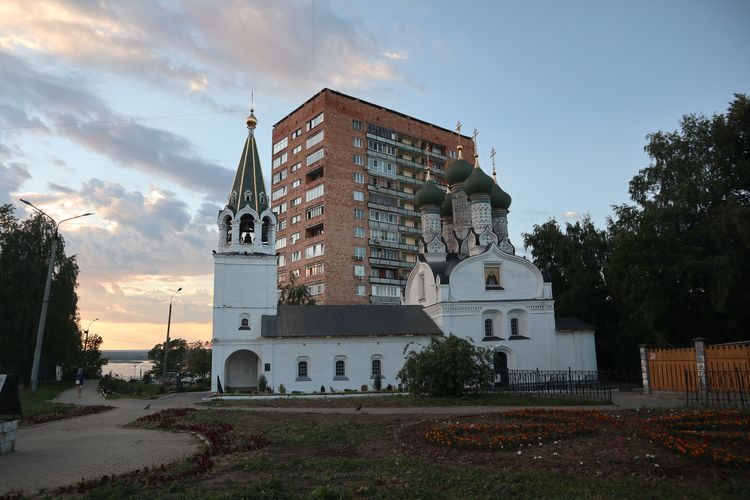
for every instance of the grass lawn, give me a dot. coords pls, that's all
(387, 456)
(41, 403)
(398, 400)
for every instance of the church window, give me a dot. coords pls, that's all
(302, 370)
(233, 197)
(376, 368)
(244, 322)
(359, 196)
(228, 224)
(315, 139)
(248, 196)
(514, 327)
(488, 329)
(340, 368)
(265, 228)
(420, 286)
(247, 229)
(262, 197)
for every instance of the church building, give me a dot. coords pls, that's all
(467, 282)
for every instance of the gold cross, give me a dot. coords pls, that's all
(492, 155)
(458, 127)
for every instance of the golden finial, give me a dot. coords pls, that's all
(251, 120)
(476, 148)
(494, 172)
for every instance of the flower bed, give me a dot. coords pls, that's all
(74, 411)
(717, 436)
(522, 427)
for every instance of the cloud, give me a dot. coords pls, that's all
(12, 177)
(398, 56)
(571, 214)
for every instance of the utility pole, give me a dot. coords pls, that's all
(166, 343)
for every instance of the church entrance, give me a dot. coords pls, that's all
(241, 370)
(501, 369)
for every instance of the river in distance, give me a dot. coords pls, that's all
(127, 370)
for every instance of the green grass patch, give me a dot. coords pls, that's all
(34, 405)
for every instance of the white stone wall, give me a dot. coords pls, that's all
(8, 436)
(576, 350)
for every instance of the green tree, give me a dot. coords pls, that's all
(294, 294)
(680, 254)
(24, 252)
(447, 367)
(198, 359)
(178, 349)
(92, 356)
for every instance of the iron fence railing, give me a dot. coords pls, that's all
(584, 384)
(718, 388)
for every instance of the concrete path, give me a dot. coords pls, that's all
(64, 452)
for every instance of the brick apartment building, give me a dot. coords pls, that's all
(344, 174)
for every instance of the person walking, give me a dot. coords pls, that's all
(79, 381)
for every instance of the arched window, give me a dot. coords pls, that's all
(247, 229)
(244, 324)
(376, 367)
(264, 229)
(302, 369)
(488, 329)
(514, 327)
(228, 224)
(248, 195)
(340, 368)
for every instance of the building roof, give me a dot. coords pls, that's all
(348, 321)
(569, 324)
(443, 268)
(249, 176)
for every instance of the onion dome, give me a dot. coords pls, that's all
(446, 209)
(459, 170)
(478, 182)
(499, 199)
(251, 120)
(428, 194)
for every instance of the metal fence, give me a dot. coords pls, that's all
(718, 388)
(592, 385)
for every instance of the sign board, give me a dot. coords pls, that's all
(10, 402)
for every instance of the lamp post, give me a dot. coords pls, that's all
(86, 342)
(166, 344)
(45, 301)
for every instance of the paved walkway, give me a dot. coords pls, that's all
(64, 452)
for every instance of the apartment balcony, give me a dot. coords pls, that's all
(401, 264)
(377, 299)
(406, 147)
(393, 244)
(387, 281)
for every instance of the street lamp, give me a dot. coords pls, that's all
(45, 302)
(86, 341)
(166, 344)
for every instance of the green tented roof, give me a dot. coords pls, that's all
(249, 178)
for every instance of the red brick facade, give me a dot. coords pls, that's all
(390, 246)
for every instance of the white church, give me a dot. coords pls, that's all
(467, 282)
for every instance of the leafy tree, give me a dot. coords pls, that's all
(680, 254)
(294, 294)
(24, 252)
(447, 367)
(198, 359)
(92, 356)
(175, 361)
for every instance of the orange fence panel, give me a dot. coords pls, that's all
(667, 368)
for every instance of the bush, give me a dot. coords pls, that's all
(282, 389)
(322, 389)
(262, 383)
(447, 367)
(364, 388)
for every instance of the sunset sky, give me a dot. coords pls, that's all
(135, 110)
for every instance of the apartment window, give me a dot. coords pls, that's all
(381, 235)
(280, 208)
(313, 212)
(359, 213)
(278, 193)
(315, 250)
(357, 142)
(296, 183)
(359, 177)
(280, 145)
(314, 270)
(296, 218)
(279, 176)
(315, 192)
(280, 243)
(359, 270)
(280, 160)
(282, 224)
(281, 260)
(356, 125)
(381, 166)
(296, 166)
(313, 231)
(296, 149)
(296, 133)
(297, 201)
(358, 160)
(380, 216)
(360, 253)
(381, 147)
(296, 256)
(317, 288)
(294, 274)
(314, 122)
(294, 238)
(361, 290)
(359, 232)
(312, 141)
(386, 290)
(313, 157)
(359, 196)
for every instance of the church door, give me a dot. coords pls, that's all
(501, 369)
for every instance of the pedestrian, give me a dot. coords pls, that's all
(79, 381)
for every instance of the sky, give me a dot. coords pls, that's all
(134, 110)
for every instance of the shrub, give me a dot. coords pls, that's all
(282, 389)
(262, 383)
(447, 367)
(322, 389)
(364, 388)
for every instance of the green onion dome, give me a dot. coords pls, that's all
(458, 171)
(446, 209)
(500, 199)
(428, 194)
(478, 182)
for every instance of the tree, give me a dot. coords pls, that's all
(175, 361)
(92, 356)
(679, 254)
(294, 294)
(24, 252)
(198, 359)
(447, 367)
